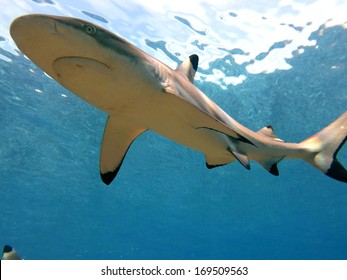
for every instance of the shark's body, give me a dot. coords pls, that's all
(140, 93)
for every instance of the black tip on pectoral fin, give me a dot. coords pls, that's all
(108, 177)
(274, 170)
(211, 166)
(337, 171)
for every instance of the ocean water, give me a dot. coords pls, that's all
(282, 63)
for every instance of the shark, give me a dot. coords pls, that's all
(140, 93)
(9, 253)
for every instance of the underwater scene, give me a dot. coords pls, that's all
(279, 63)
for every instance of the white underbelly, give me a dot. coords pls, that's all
(168, 122)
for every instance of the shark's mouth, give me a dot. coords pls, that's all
(86, 77)
(72, 65)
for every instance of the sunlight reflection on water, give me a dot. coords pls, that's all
(267, 33)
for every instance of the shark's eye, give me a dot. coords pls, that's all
(89, 29)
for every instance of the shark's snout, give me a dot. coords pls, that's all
(44, 39)
(28, 26)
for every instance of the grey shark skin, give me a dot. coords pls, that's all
(10, 253)
(140, 93)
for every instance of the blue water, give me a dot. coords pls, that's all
(164, 203)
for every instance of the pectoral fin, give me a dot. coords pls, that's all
(119, 133)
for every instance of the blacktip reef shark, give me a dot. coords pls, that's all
(140, 93)
(9, 253)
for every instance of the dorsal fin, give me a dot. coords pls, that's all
(188, 67)
(269, 132)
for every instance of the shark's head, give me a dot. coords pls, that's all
(81, 56)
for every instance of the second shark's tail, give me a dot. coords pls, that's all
(324, 146)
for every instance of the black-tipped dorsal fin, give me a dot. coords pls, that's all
(269, 132)
(119, 133)
(189, 66)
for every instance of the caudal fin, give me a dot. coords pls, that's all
(324, 146)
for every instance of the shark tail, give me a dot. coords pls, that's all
(324, 146)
